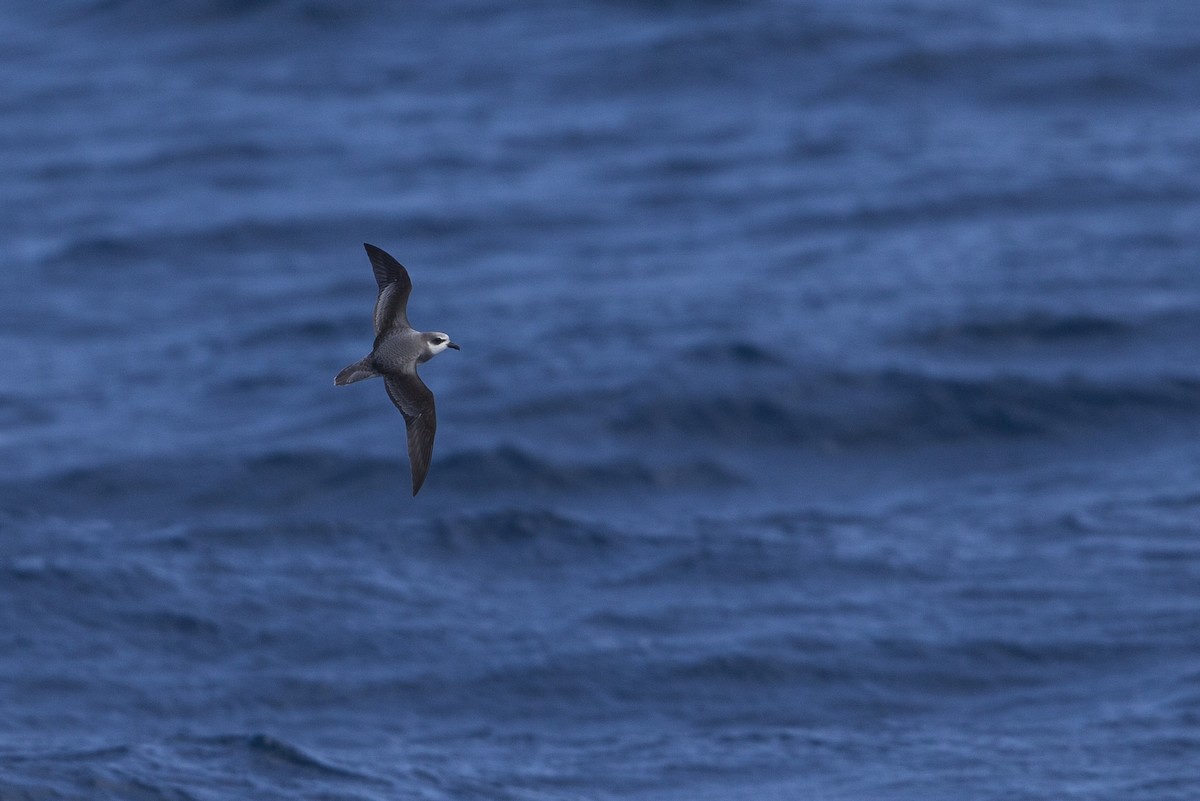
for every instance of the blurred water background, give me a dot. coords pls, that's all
(825, 425)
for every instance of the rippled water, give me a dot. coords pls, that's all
(825, 425)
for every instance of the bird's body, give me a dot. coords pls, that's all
(397, 352)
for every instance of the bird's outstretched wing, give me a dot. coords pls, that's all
(415, 402)
(391, 307)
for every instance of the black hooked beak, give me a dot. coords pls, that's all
(452, 345)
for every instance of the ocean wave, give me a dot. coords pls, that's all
(900, 406)
(57, 578)
(1031, 72)
(735, 353)
(1027, 199)
(217, 12)
(154, 485)
(510, 468)
(758, 401)
(316, 330)
(281, 479)
(278, 751)
(540, 532)
(1031, 327)
(17, 411)
(1020, 331)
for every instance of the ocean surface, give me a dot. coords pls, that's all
(826, 425)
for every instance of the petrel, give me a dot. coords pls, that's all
(397, 352)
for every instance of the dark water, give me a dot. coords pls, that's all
(826, 424)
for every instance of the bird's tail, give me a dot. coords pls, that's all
(356, 372)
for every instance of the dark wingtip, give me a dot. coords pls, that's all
(418, 482)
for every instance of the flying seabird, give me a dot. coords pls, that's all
(397, 352)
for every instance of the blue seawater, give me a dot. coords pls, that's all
(826, 425)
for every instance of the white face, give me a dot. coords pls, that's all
(438, 342)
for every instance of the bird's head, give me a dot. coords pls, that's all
(436, 342)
